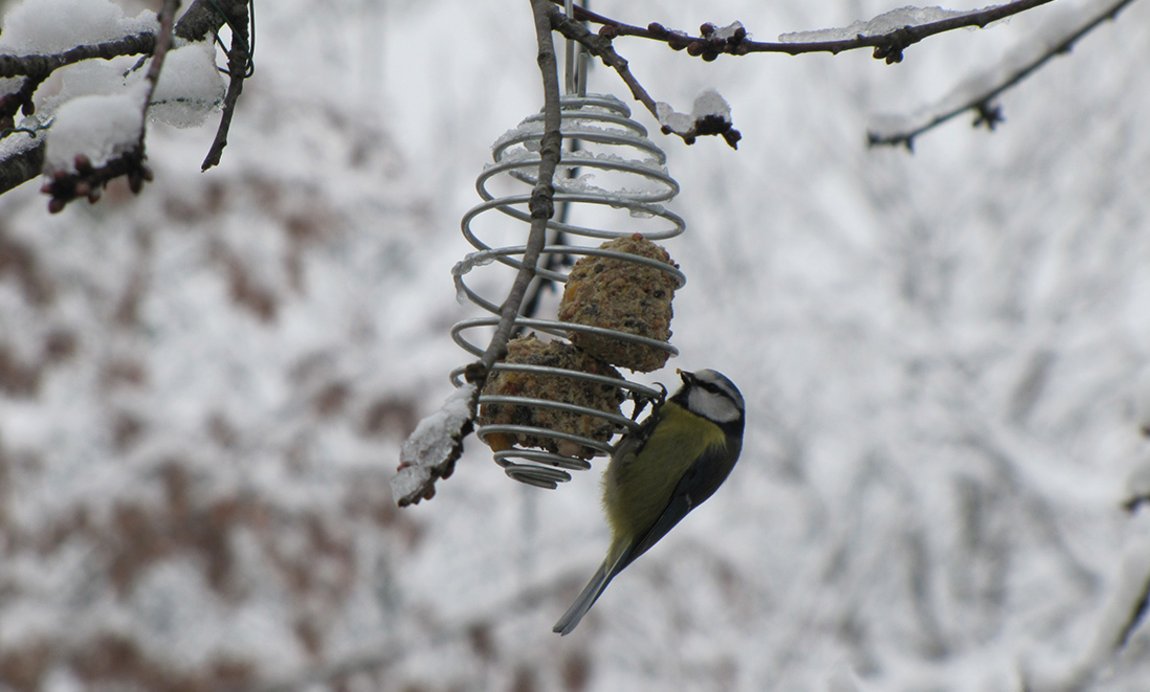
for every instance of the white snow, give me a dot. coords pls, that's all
(100, 127)
(431, 442)
(10, 85)
(53, 26)
(673, 120)
(882, 24)
(190, 86)
(708, 103)
(86, 78)
(711, 103)
(728, 31)
(1138, 479)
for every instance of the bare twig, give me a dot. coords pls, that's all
(167, 18)
(240, 56)
(541, 205)
(601, 48)
(987, 113)
(204, 17)
(1136, 616)
(43, 65)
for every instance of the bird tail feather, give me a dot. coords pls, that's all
(587, 597)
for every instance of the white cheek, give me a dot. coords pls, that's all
(713, 407)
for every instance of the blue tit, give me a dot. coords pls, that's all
(677, 458)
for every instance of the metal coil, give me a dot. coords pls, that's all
(611, 178)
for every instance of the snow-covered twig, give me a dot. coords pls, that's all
(22, 163)
(978, 93)
(600, 47)
(76, 176)
(430, 452)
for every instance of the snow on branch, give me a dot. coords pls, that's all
(704, 120)
(710, 115)
(978, 92)
(99, 137)
(430, 452)
(885, 23)
(95, 139)
(92, 133)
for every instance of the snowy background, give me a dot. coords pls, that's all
(203, 389)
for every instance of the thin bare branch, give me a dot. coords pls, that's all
(167, 18)
(204, 17)
(988, 114)
(601, 48)
(43, 65)
(240, 57)
(541, 205)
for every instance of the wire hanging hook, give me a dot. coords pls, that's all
(575, 65)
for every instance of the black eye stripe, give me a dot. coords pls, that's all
(714, 388)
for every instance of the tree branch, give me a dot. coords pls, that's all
(887, 46)
(200, 19)
(43, 65)
(988, 114)
(22, 166)
(89, 181)
(203, 17)
(542, 205)
(36, 68)
(602, 48)
(240, 57)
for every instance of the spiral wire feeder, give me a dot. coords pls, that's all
(611, 178)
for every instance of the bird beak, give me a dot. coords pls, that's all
(687, 376)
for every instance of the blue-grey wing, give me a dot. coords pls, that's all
(700, 481)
